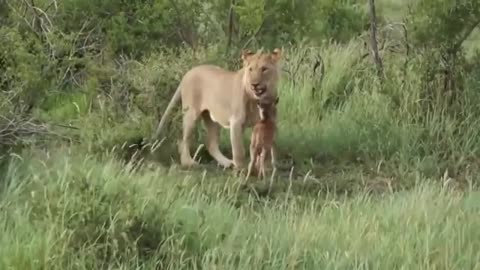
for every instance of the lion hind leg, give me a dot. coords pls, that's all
(190, 118)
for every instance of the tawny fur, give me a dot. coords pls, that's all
(262, 142)
(224, 99)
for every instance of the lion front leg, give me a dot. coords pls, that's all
(236, 138)
(213, 132)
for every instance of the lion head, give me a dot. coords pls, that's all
(262, 72)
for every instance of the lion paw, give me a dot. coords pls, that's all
(189, 163)
(226, 164)
(239, 165)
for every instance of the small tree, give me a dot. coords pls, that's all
(438, 29)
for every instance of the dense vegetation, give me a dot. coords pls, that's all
(379, 159)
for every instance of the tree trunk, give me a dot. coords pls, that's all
(373, 35)
(230, 26)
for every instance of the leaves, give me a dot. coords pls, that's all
(442, 23)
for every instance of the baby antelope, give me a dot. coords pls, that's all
(263, 134)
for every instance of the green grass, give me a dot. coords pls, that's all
(364, 180)
(70, 212)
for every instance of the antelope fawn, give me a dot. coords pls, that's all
(263, 137)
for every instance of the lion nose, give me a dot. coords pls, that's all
(255, 85)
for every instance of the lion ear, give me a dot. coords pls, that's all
(276, 54)
(246, 54)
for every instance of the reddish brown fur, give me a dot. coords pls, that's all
(263, 138)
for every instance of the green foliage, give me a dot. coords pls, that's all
(251, 15)
(444, 23)
(4, 12)
(293, 21)
(339, 20)
(23, 68)
(126, 27)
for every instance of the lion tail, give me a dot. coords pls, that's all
(167, 112)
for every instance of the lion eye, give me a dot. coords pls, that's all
(264, 69)
(250, 69)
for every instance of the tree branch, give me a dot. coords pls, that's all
(179, 29)
(253, 36)
(319, 63)
(466, 34)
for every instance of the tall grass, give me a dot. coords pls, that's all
(72, 212)
(351, 116)
(346, 115)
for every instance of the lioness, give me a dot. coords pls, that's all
(262, 142)
(224, 98)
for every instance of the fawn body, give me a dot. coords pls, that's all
(263, 137)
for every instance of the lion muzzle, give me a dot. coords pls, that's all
(258, 89)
